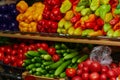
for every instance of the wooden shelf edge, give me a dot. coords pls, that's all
(62, 39)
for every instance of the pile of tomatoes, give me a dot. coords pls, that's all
(91, 70)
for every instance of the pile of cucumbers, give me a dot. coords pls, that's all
(40, 63)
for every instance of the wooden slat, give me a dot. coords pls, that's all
(62, 39)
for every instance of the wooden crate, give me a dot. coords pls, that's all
(26, 74)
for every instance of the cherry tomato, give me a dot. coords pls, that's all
(13, 52)
(94, 76)
(70, 72)
(95, 67)
(111, 74)
(104, 69)
(85, 76)
(79, 72)
(51, 51)
(44, 46)
(76, 78)
(113, 65)
(80, 65)
(103, 76)
(85, 69)
(87, 63)
(55, 57)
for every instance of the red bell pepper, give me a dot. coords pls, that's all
(114, 21)
(75, 18)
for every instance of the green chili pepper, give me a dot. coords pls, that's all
(104, 9)
(104, 1)
(83, 3)
(78, 9)
(117, 10)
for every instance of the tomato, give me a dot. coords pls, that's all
(6, 60)
(76, 78)
(94, 76)
(70, 72)
(80, 65)
(87, 63)
(15, 46)
(1, 56)
(44, 46)
(2, 49)
(38, 45)
(8, 50)
(51, 51)
(85, 76)
(13, 58)
(113, 78)
(116, 70)
(103, 76)
(113, 65)
(55, 57)
(20, 51)
(95, 67)
(19, 63)
(13, 52)
(104, 69)
(111, 74)
(20, 56)
(79, 72)
(22, 45)
(33, 46)
(85, 69)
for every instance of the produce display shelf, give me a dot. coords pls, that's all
(26, 75)
(64, 38)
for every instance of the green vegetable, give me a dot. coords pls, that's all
(74, 59)
(48, 63)
(85, 11)
(108, 17)
(27, 62)
(62, 67)
(83, 58)
(37, 64)
(66, 5)
(117, 10)
(78, 9)
(33, 53)
(104, 1)
(83, 3)
(31, 66)
(107, 27)
(56, 64)
(41, 51)
(71, 55)
(94, 4)
(104, 9)
(47, 57)
(63, 75)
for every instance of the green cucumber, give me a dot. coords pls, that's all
(71, 55)
(38, 59)
(28, 56)
(55, 65)
(48, 63)
(41, 51)
(63, 75)
(83, 58)
(63, 46)
(38, 73)
(33, 53)
(62, 67)
(64, 54)
(74, 59)
(57, 46)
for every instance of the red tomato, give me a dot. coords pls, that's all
(6, 60)
(55, 57)
(85, 76)
(103, 76)
(113, 65)
(8, 50)
(20, 56)
(3, 49)
(70, 72)
(15, 46)
(1, 56)
(22, 45)
(95, 67)
(113, 78)
(13, 58)
(13, 52)
(51, 51)
(111, 74)
(79, 72)
(44, 46)
(76, 78)
(38, 45)
(87, 63)
(104, 69)
(19, 63)
(94, 76)
(80, 65)
(85, 69)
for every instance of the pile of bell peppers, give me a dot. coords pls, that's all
(92, 17)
